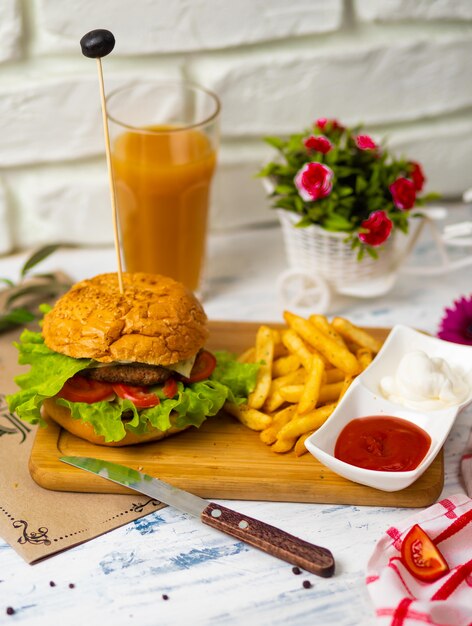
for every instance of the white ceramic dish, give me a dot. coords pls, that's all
(364, 398)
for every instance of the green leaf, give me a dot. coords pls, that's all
(275, 142)
(336, 223)
(15, 317)
(285, 190)
(37, 257)
(431, 197)
(372, 252)
(361, 184)
(42, 289)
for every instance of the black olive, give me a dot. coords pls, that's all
(97, 43)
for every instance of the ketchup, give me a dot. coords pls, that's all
(384, 443)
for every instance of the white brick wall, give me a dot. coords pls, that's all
(157, 26)
(401, 66)
(404, 10)
(10, 30)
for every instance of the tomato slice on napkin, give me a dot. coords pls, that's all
(421, 557)
(139, 396)
(81, 389)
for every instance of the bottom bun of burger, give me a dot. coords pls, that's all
(84, 430)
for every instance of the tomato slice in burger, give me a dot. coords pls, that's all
(421, 557)
(170, 388)
(203, 367)
(81, 389)
(141, 397)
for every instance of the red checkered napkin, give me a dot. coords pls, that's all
(400, 599)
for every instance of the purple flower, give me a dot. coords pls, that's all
(456, 325)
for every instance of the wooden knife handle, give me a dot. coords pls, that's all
(272, 540)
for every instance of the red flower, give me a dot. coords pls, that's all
(379, 227)
(314, 181)
(323, 122)
(319, 143)
(417, 175)
(403, 193)
(364, 142)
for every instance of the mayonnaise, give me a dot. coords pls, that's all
(424, 383)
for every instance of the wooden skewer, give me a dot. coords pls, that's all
(96, 44)
(111, 180)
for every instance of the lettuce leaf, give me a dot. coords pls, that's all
(193, 403)
(239, 380)
(46, 377)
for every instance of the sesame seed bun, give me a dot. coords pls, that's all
(156, 320)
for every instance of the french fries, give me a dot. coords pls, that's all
(311, 421)
(338, 355)
(311, 389)
(305, 369)
(357, 335)
(285, 365)
(269, 434)
(300, 447)
(248, 356)
(322, 323)
(252, 418)
(264, 355)
(365, 357)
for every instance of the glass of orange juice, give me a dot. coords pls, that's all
(164, 141)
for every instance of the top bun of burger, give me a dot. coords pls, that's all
(157, 320)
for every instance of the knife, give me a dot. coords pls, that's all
(258, 534)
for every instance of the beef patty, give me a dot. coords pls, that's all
(129, 374)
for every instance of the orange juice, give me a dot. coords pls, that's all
(162, 179)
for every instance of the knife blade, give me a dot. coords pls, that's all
(270, 539)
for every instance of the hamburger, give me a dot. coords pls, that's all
(124, 368)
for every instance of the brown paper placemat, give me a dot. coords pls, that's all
(38, 523)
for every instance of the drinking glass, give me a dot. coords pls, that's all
(164, 141)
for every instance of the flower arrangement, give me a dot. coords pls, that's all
(342, 180)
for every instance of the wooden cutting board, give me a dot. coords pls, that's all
(222, 459)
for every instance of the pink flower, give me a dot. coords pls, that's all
(379, 227)
(417, 175)
(318, 143)
(365, 142)
(456, 324)
(403, 193)
(314, 181)
(323, 122)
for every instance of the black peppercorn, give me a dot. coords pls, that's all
(307, 584)
(296, 570)
(10, 610)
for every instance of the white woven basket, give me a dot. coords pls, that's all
(326, 254)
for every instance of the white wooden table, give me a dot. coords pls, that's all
(209, 578)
